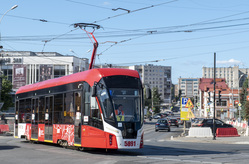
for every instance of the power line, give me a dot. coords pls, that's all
(37, 19)
(132, 11)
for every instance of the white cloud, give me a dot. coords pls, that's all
(229, 62)
(106, 3)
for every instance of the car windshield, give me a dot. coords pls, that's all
(162, 121)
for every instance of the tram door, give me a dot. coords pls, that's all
(78, 117)
(34, 119)
(48, 118)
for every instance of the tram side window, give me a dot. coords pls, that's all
(41, 110)
(21, 115)
(95, 117)
(68, 108)
(77, 106)
(35, 111)
(58, 109)
(27, 111)
(87, 95)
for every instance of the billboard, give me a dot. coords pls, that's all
(46, 72)
(19, 75)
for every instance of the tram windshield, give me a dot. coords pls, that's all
(121, 104)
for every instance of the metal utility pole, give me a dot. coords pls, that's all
(214, 131)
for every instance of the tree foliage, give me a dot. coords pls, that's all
(6, 94)
(156, 97)
(245, 105)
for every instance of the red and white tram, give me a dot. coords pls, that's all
(79, 110)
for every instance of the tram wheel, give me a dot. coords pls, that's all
(81, 149)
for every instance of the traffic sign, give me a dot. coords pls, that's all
(184, 101)
(189, 104)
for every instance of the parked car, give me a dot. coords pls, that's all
(157, 116)
(162, 124)
(209, 123)
(173, 122)
(197, 122)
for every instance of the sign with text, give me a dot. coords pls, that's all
(19, 76)
(46, 72)
(184, 110)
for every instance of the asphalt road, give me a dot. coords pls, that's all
(158, 148)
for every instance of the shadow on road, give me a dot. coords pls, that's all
(8, 147)
(149, 150)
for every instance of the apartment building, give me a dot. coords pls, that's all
(234, 76)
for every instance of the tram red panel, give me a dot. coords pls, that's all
(28, 131)
(93, 137)
(41, 132)
(63, 132)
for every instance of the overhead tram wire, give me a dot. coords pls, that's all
(180, 57)
(132, 11)
(45, 42)
(89, 4)
(36, 19)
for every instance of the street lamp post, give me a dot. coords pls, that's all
(1, 62)
(12, 8)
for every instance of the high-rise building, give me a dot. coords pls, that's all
(156, 76)
(188, 86)
(234, 76)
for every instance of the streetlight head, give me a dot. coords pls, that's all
(12, 8)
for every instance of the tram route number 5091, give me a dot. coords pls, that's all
(130, 143)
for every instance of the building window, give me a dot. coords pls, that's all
(59, 70)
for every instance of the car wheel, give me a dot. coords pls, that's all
(156, 130)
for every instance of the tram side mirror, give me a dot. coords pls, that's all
(148, 93)
(94, 90)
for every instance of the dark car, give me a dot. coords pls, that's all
(209, 123)
(162, 124)
(173, 122)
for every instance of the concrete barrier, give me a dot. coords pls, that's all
(4, 128)
(200, 132)
(227, 132)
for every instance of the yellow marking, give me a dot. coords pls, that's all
(34, 139)
(48, 141)
(79, 145)
(16, 137)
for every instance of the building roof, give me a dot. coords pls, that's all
(208, 84)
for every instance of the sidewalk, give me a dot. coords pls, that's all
(219, 140)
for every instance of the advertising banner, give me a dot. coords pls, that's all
(46, 72)
(19, 75)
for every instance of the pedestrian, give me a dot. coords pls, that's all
(3, 118)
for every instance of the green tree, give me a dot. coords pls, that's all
(243, 94)
(246, 112)
(156, 97)
(156, 100)
(6, 97)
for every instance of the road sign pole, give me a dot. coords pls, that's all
(214, 132)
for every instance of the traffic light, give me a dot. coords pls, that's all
(219, 96)
(208, 96)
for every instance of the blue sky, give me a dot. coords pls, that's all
(183, 34)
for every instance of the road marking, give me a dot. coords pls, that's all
(177, 160)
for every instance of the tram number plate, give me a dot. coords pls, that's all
(129, 143)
